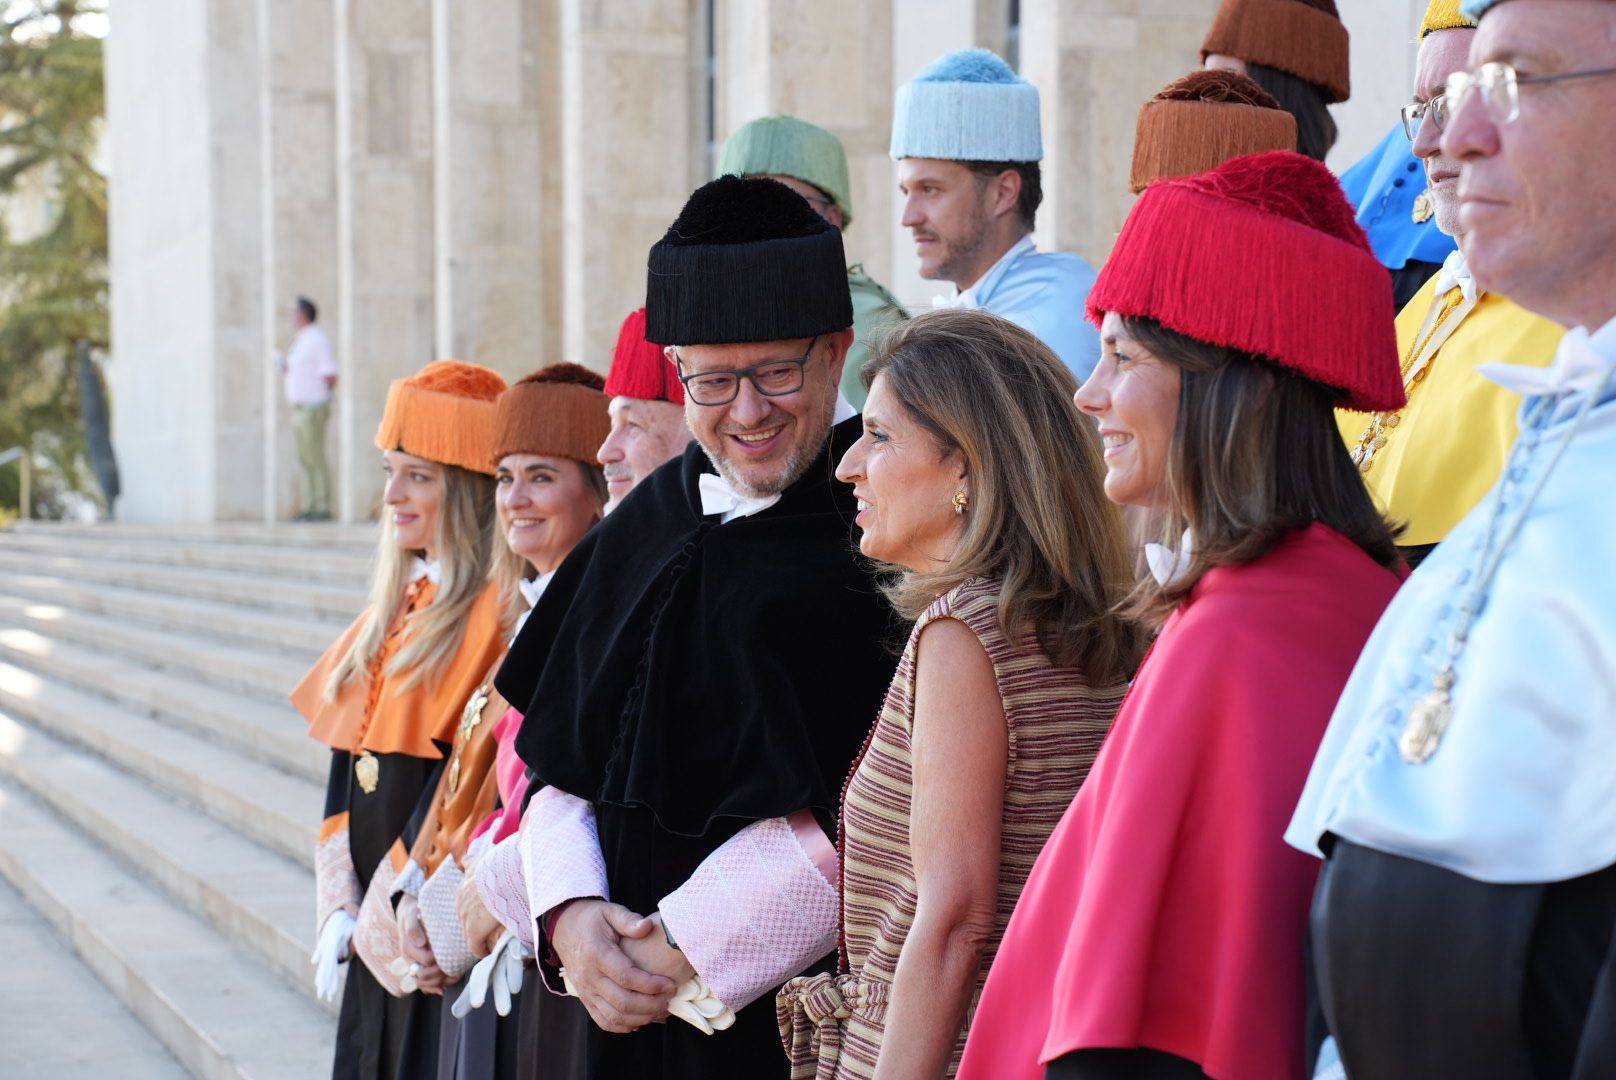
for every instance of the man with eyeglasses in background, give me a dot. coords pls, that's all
(1464, 923)
(1430, 462)
(689, 722)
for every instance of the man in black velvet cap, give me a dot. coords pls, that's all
(701, 704)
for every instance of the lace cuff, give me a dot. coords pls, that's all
(442, 920)
(560, 851)
(500, 883)
(336, 886)
(410, 879)
(758, 910)
(376, 938)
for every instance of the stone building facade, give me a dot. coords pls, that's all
(481, 179)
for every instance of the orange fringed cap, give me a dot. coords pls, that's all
(1203, 120)
(1261, 254)
(558, 411)
(444, 413)
(1302, 37)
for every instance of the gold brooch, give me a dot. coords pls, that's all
(1424, 208)
(368, 771)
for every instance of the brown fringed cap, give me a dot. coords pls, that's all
(1202, 120)
(558, 411)
(1302, 37)
(443, 413)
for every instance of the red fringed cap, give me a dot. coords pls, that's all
(639, 368)
(1261, 254)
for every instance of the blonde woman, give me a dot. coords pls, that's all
(386, 695)
(977, 479)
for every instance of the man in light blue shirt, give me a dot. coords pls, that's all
(966, 138)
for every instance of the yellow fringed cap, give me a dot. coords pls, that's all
(444, 413)
(1443, 15)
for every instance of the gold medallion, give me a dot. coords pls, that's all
(1427, 720)
(1424, 208)
(454, 775)
(368, 771)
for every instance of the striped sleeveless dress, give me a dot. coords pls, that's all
(832, 1024)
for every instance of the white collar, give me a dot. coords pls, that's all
(531, 591)
(1456, 272)
(1170, 567)
(970, 299)
(425, 568)
(1579, 364)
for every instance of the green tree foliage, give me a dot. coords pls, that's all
(53, 268)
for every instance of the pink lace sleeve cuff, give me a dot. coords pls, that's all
(336, 885)
(504, 891)
(560, 850)
(759, 909)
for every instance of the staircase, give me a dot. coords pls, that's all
(159, 800)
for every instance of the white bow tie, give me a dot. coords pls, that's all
(532, 590)
(424, 568)
(1577, 366)
(1455, 271)
(718, 497)
(1167, 566)
(964, 301)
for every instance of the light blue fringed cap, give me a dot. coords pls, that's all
(967, 105)
(1475, 9)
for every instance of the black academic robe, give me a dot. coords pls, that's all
(710, 676)
(381, 1037)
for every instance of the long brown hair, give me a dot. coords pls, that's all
(1039, 521)
(1256, 454)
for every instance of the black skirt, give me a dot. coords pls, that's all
(1418, 971)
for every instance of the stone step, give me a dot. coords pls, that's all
(257, 898)
(333, 603)
(278, 810)
(359, 537)
(302, 638)
(264, 676)
(334, 567)
(270, 733)
(60, 995)
(217, 1010)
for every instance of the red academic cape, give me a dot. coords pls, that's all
(1166, 911)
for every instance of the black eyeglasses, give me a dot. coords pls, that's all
(772, 378)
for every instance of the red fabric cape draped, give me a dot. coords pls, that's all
(1166, 910)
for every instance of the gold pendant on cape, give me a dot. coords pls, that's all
(454, 775)
(1424, 208)
(368, 771)
(1427, 720)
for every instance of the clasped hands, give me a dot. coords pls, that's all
(618, 963)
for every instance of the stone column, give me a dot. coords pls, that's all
(634, 136)
(299, 221)
(1094, 63)
(830, 64)
(498, 178)
(384, 148)
(923, 30)
(187, 364)
(1384, 41)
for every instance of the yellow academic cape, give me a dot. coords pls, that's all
(1456, 431)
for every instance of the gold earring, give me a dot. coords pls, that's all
(961, 501)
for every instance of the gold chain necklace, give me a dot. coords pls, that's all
(1382, 423)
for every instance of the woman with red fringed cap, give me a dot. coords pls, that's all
(1160, 934)
(386, 697)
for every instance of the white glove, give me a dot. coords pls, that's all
(695, 1004)
(501, 968)
(330, 952)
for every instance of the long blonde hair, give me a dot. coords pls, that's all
(433, 634)
(1038, 519)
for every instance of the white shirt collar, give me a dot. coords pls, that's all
(1456, 272)
(531, 591)
(969, 299)
(1579, 364)
(424, 568)
(1170, 567)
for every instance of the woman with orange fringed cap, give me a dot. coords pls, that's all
(1160, 934)
(386, 695)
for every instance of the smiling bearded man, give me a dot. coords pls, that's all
(690, 720)
(1429, 463)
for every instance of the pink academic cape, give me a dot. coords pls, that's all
(1166, 910)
